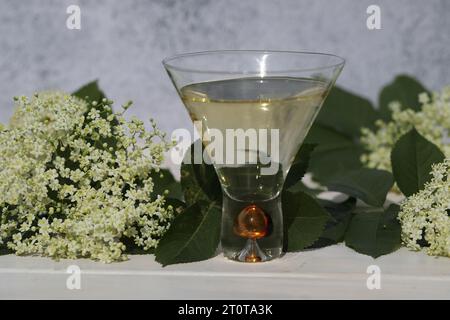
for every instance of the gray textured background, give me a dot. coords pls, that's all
(123, 42)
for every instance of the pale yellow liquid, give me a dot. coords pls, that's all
(287, 104)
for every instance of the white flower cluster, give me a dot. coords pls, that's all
(424, 216)
(75, 180)
(432, 122)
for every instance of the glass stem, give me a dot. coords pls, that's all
(245, 241)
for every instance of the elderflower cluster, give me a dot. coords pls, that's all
(75, 180)
(424, 216)
(432, 121)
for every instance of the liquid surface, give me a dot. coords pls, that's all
(287, 104)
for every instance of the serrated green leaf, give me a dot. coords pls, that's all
(335, 227)
(299, 165)
(403, 89)
(340, 213)
(374, 232)
(411, 158)
(368, 185)
(193, 236)
(90, 92)
(199, 181)
(304, 220)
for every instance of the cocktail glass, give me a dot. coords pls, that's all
(253, 110)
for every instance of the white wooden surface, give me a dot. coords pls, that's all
(334, 272)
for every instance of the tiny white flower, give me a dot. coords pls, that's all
(62, 185)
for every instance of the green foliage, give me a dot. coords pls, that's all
(193, 236)
(304, 219)
(411, 158)
(199, 181)
(403, 89)
(90, 92)
(374, 231)
(336, 227)
(369, 185)
(164, 180)
(336, 131)
(346, 112)
(331, 153)
(299, 165)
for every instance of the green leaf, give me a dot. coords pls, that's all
(337, 131)
(304, 219)
(411, 158)
(91, 91)
(299, 165)
(193, 236)
(300, 186)
(403, 89)
(199, 181)
(336, 227)
(326, 137)
(327, 163)
(346, 113)
(369, 185)
(374, 232)
(164, 180)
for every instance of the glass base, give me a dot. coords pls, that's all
(252, 230)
